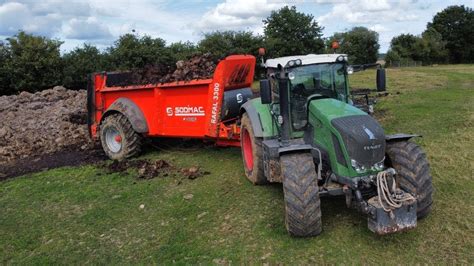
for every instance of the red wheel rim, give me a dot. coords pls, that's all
(247, 147)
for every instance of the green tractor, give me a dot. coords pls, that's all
(304, 132)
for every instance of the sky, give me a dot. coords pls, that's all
(101, 22)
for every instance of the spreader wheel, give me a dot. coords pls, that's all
(118, 138)
(413, 173)
(252, 154)
(300, 187)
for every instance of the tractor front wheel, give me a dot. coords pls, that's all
(118, 138)
(413, 173)
(252, 154)
(300, 187)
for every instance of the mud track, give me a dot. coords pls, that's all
(50, 161)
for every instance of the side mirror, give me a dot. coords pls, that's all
(265, 91)
(381, 79)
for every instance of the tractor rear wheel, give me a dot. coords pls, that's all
(252, 153)
(118, 138)
(300, 187)
(413, 173)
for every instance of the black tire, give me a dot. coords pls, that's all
(130, 143)
(254, 172)
(300, 187)
(413, 173)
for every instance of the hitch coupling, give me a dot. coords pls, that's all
(392, 210)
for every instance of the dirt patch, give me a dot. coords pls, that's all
(148, 169)
(50, 161)
(193, 172)
(40, 123)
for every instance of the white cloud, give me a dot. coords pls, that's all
(63, 8)
(329, 1)
(16, 16)
(379, 28)
(145, 17)
(12, 17)
(237, 15)
(374, 5)
(88, 29)
(369, 11)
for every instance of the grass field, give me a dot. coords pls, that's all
(82, 215)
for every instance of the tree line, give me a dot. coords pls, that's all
(449, 38)
(33, 63)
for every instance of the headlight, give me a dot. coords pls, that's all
(358, 167)
(291, 63)
(350, 70)
(362, 169)
(291, 75)
(379, 166)
(340, 58)
(298, 62)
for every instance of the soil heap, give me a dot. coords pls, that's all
(197, 67)
(43, 122)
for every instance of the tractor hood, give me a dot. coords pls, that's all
(362, 136)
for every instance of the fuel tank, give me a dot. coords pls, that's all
(233, 100)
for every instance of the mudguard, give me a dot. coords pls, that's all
(129, 109)
(400, 137)
(251, 111)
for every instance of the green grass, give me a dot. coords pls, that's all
(83, 215)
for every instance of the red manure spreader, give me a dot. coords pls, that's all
(121, 116)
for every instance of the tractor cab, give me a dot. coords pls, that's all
(309, 77)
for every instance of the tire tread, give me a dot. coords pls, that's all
(413, 170)
(302, 203)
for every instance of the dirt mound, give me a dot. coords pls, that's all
(199, 66)
(42, 123)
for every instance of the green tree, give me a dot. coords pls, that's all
(432, 48)
(81, 62)
(34, 63)
(391, 57)
(405, 45)
(223, 43)
(289, 32)
(428, 48)
(131, 51)
(456, 26)
(360, 43)
(4, 75)
(182, 50)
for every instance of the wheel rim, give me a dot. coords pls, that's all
(113, 139)
(247, 148)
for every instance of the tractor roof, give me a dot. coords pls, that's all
(305, 59)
